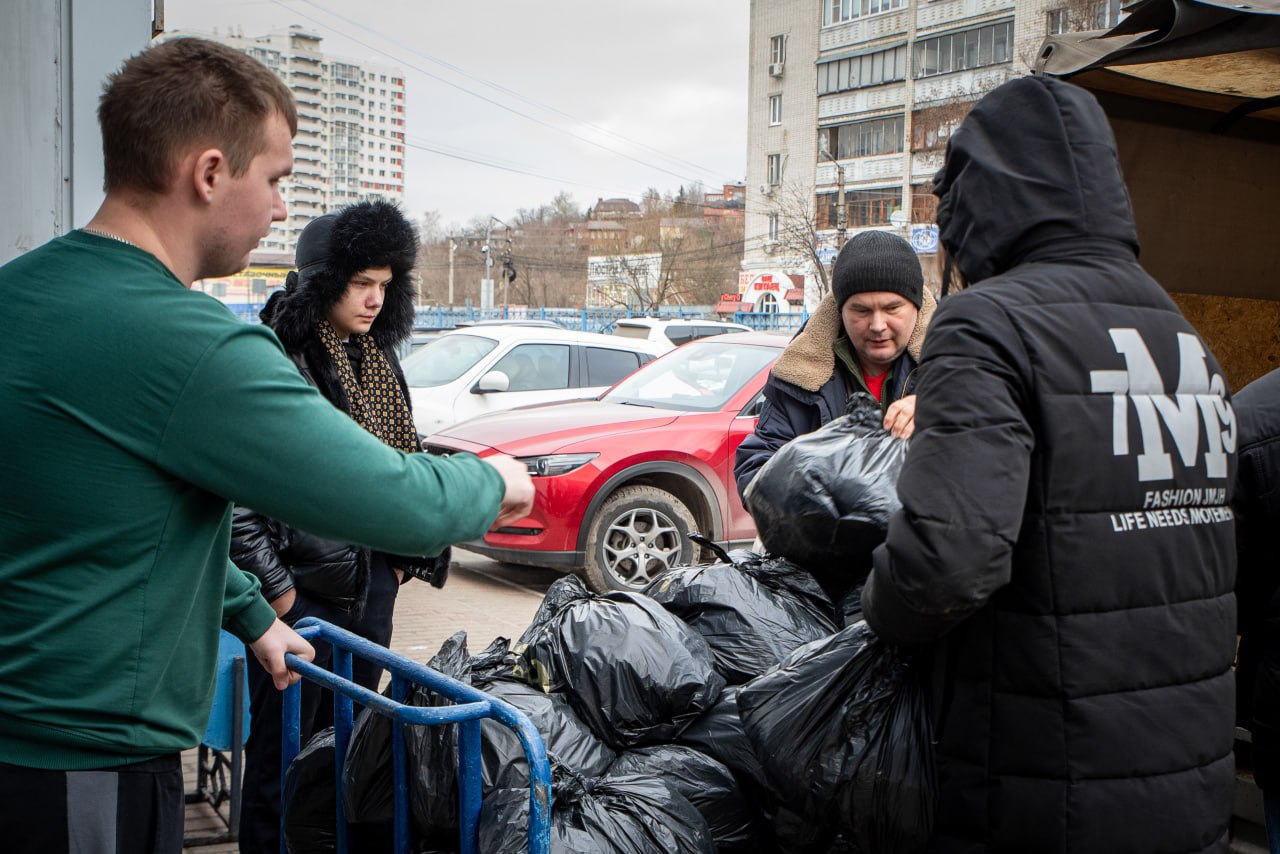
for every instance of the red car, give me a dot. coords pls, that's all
(623, 479)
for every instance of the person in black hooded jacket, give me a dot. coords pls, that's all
(1066, 542)
(1257, 504)
(341, 317)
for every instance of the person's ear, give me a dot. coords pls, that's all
(208, 172)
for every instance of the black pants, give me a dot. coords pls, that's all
(260, 802)
(122, 810)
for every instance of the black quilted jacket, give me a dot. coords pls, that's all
(1066, 543)
(1257, 502)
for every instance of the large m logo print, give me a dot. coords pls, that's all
(1198, 399)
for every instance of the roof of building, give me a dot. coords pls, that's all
(615, 206)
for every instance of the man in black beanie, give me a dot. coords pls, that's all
(865, 336)
(341, 318)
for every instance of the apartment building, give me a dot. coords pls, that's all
(854, 99)
(351, 124)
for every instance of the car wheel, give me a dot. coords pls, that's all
(637, 534)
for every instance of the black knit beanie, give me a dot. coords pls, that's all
(877, 261)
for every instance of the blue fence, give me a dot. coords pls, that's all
(584, 320)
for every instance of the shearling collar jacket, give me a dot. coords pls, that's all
(809, 360)
(805, 389)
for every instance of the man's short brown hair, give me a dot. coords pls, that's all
(181, 93)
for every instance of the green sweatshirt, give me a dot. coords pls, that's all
(133, 412)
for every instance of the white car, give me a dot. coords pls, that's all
(671, 333)
(475, 371)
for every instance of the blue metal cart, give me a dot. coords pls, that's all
(471, 706)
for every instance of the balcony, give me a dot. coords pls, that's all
(881, 168)
(863, 30)
(883, 97)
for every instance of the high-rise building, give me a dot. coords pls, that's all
(856, 98)
(350, 141)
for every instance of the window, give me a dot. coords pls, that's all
(773, 227)
(220, 289)
(774, 168)
(981, 46)
(775, 109)
(678, 335)
(606, 367)
(778, 49)
(535, 367)
(862, 139)
(865, 207)
(839, 11)
(767, 302)
(259, 287)
(1091, 17)
(871, 69)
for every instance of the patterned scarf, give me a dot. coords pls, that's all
(376, 398)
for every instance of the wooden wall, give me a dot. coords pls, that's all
(1243, 333)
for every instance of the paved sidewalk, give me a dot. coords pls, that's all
(482, 597)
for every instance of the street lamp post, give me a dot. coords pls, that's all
(506, 264)
(842, 211)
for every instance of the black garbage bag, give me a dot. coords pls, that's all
(842, 731)
(433, 750)
(720, 735)
(366, 775)
(634, 672)
(618, 815)
(568, 740)
(752, 612)
(825, 498)
(308, 801)
(851, 605)
(712, 789)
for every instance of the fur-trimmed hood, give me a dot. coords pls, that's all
(809, 360)
(333, 248)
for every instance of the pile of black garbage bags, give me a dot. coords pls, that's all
(741, 706)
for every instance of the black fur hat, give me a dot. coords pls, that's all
(333, 248)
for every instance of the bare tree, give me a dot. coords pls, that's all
(1073, 16)
(430, 228)
(797, 240)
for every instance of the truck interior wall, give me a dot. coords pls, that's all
(1206, 208)
(1208, 213)
(1243, 333)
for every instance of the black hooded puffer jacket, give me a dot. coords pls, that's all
(281, 557)
(1066, 538)
(1257, 503)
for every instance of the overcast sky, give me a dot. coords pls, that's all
(598, 99)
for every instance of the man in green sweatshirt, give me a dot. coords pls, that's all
(133, 412)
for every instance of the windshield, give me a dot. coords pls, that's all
(445, 359)
(699, 377)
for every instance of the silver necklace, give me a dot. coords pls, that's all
(110, 236)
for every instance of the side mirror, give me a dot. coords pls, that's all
(492, 381)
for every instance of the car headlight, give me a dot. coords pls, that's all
(556, 464)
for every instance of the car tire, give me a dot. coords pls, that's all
(638, 533)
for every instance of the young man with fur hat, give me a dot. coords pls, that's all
(341, 318)
(865, 336)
